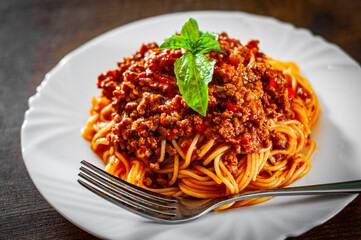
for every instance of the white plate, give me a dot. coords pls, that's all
(52, 146)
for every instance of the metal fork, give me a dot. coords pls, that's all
(167, 209)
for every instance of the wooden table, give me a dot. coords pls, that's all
(35, 35)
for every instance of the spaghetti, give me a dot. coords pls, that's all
(255, 134)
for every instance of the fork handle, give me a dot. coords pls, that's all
(321, 189)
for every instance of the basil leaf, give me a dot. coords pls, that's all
(205, 67)
(207, 44)
(194, 70)
(190, 80)
(212, 35)
(190, 30)
(176, 42)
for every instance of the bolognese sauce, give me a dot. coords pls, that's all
(255, 133)
(149, 107)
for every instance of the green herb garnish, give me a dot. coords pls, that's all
(194, 70)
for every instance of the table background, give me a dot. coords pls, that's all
(35, 35)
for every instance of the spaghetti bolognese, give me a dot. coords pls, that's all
(255, 135)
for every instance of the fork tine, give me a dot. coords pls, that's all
(144, 192)
(100, 181)
(129, 206)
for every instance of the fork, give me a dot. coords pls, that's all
(167, 209)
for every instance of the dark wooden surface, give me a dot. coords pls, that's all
(35, 35)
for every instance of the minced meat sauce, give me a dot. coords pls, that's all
(243, 95)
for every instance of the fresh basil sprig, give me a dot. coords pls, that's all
(194, 70)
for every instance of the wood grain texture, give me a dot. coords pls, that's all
(35, 35)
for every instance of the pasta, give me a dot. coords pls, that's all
(256, 134)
